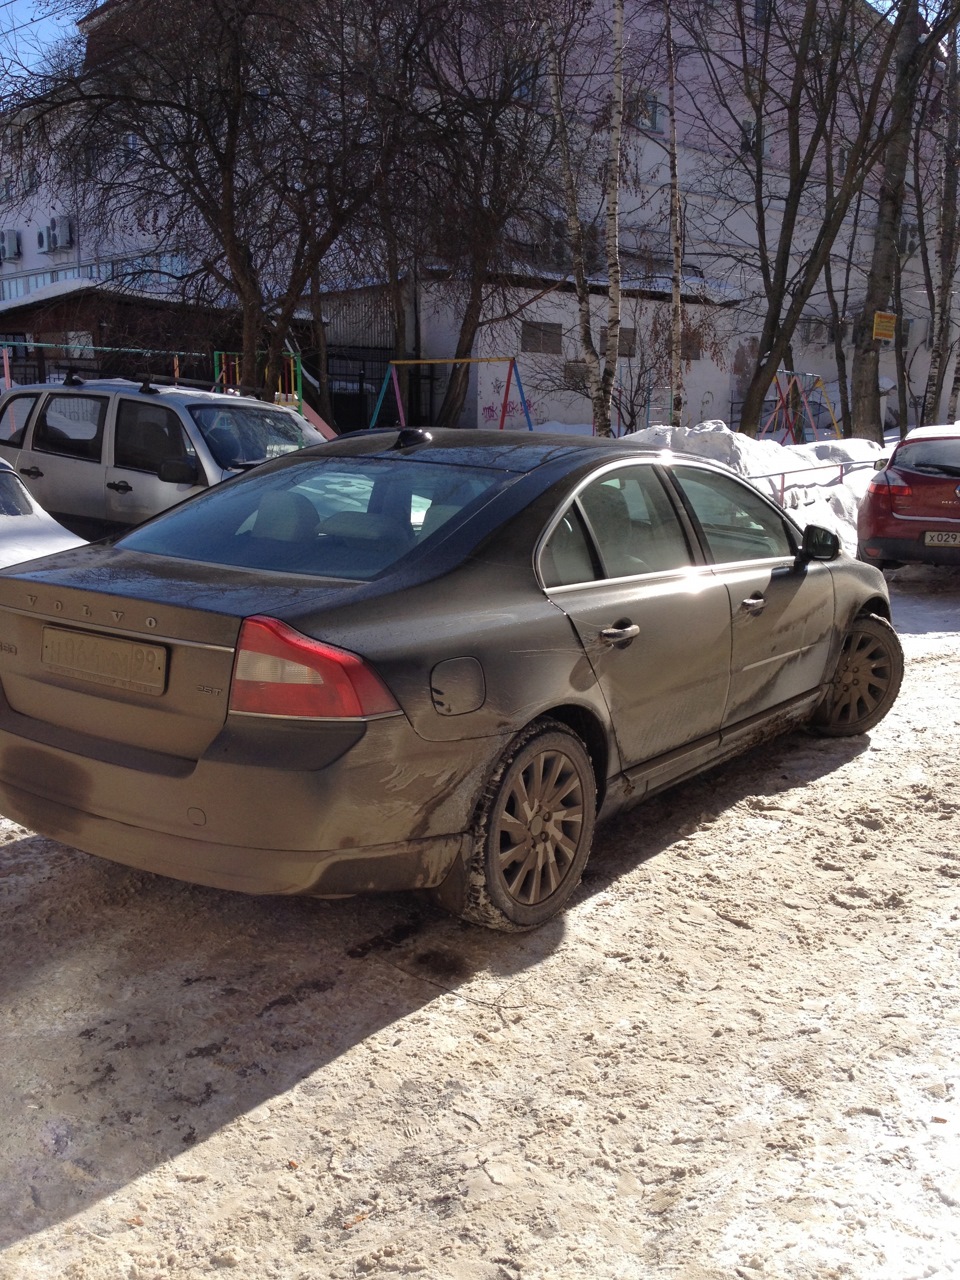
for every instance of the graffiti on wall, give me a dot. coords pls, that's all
(492, 412)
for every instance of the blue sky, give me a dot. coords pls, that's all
(26, 26)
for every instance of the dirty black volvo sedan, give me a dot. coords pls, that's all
(422, 660)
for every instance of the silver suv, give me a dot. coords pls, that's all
(108, 454)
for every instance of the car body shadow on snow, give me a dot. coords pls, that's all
(143, 1015)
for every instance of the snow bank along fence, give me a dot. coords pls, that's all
(792, 479)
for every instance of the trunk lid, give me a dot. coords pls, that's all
(135, 649)
(934, 497)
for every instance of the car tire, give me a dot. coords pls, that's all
(866, 681)
(533, 830)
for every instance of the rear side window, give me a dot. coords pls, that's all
(71, 425)
(13, 420)
(332, 518)
(737, 523)
(627, 519)
(567, 558)
(634, 524)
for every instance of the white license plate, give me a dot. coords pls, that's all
(931, 539)
(122, 664)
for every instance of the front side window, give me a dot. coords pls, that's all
(72, 425)
(737, 523)
(13, 420)
(147, 435)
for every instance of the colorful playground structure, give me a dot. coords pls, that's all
(513, 372)
(795, 408)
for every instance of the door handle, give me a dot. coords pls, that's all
(754, 604)
(33, 472)
(620, 635)
(120, 486)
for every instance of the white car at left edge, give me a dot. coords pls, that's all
(26, 530)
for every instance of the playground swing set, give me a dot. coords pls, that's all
(793, 409)
(512, 372)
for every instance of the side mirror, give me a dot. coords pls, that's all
(818, 544)
(880, 464)
(178, 471)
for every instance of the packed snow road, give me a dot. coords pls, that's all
(736, 1055)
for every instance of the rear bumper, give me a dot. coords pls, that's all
(907, 551)
(409, 864)
(389, 813)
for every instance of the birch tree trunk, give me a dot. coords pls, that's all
(865, 379)
(600, 378)
(947, 247)
(676, 240)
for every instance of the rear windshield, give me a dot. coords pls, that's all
(241, 435)
(330, 518)
(938, 457)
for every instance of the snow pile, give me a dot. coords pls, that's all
(819, 483)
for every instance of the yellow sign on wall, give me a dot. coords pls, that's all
(885, 325)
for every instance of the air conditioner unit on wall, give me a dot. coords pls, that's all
(61, 229)
(46, 240)
(9, 245)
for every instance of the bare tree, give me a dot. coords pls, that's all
(238, 137)
(789, 89)
(938, 237)
(483, 144)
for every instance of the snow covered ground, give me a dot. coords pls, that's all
(818, 483)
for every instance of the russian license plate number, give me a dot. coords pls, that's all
(933, 539)
(121, 664)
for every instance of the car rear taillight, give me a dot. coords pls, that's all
(280, 672)
(889, 489)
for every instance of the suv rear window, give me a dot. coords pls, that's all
(330, 518)
(936, 457)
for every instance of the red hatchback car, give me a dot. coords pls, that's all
(911, 511)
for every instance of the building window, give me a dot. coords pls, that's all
(814, 331)
(752, 141)
(524, 81)
(575, 376)
(908, 238)
(627, 343)
(15, 288)
(843, 160)
(690, 346)
(540, 337)
(643, 110)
